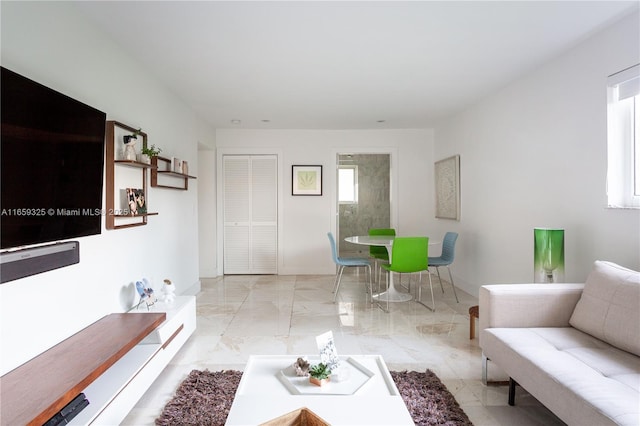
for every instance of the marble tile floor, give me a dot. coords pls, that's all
(238, 316)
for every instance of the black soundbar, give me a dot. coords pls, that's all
(16, 264)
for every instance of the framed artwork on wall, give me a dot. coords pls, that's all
(447, 180)
(306, 180)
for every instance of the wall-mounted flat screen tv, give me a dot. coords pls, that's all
(51, 164)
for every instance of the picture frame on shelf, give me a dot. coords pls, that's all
(185, 168)
(135, 201)
(306, 180)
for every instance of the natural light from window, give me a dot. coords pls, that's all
(623, 146)
(348, 184)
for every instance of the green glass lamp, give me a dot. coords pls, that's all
(548, 255)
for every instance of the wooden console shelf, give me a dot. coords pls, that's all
(34, 392)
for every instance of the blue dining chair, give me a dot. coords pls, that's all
(343, 262)
(446, 258)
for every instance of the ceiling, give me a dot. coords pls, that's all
(343, 65)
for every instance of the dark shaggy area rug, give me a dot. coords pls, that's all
(428, 400)
(205, 398)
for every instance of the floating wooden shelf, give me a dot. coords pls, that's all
(133, 164)
(180, 175)
(110, 163)
(157, 170)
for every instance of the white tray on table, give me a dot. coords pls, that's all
(357, 376)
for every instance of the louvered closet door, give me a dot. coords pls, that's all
(250, 214)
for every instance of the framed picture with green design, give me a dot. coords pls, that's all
(306, 180)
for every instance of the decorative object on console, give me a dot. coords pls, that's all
(146, 293)
(169, 291)
(447, 179)
(548, 260)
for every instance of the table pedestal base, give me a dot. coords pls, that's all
(392, 295)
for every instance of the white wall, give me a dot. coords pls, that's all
(207, 212)
(304, 221)
(51, 43)
(535, 154)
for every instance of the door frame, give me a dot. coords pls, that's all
(220, 153)
(393, 184)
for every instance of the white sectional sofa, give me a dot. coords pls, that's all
(574, 347)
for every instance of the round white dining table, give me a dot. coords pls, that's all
(392, 294)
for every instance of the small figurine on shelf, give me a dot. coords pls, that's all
(130, 145)
(169, 291)
(146, 293)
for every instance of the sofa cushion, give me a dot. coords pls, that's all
(583, 380)
(609, 307)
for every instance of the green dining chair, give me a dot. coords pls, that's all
(410, 255)
(379, 254)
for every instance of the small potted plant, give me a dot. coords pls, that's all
(319, 374)
(147, 152)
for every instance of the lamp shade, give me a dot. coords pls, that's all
(548, 260)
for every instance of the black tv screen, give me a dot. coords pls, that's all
(52, 159)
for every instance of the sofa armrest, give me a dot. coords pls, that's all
(527, 305)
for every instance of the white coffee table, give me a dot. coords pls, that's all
(267, 390)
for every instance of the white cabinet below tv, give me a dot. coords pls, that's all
(112, 395)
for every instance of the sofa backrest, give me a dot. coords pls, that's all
(609, 308)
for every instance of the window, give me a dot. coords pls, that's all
(348, 184)
(623, 146)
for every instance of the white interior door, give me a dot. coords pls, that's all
(250, 198)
